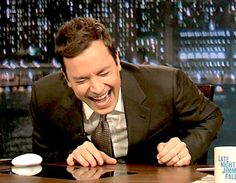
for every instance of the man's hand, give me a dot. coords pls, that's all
(173, 153)
(88, 155)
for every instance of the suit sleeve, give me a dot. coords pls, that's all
(54, 137)
(41, 140)
(199, 118)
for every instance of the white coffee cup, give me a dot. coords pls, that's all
(225, 164)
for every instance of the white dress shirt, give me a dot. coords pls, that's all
(117, 125)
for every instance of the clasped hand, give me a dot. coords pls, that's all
(172, 153)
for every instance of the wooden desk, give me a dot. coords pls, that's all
(139, 174)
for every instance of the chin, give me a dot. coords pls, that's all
(105, 110)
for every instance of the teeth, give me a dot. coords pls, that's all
(100, 97)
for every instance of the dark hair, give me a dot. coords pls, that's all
(77, 34)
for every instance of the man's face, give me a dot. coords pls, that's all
(94, 77)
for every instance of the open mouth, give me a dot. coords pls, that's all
(102, 98)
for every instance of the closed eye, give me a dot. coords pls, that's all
(81, 81)
(103, 74)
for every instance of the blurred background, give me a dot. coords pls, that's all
(197, 36)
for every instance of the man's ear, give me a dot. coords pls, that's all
(64, 74)
(118, 60)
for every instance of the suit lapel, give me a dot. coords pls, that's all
(73, 108)
(69, 112)
(137, 114)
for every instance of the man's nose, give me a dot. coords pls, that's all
(96, 85)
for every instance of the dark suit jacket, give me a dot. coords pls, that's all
(160, 103)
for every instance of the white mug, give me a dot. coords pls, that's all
(225, 164)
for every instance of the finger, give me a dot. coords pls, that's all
(70, 160)
(94, 157)
(173, 161)
(87, 154)
(171, 149)
(166, 155)
(81, 160)
(178, 145)
(160, 146)
(184, 161)
(183, 153)
(163, 149)
(185, 158)
(160, 151)
(180, 159)
(107, 159)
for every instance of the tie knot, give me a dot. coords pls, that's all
(103, 117)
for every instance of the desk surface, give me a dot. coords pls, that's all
(136, 173)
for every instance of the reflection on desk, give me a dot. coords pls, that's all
(123, 173)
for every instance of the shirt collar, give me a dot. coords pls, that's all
(119, 107)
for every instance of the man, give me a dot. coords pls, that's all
(155, 114)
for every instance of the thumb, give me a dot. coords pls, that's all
(70, 160)
(107, 159)
(160, 146)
